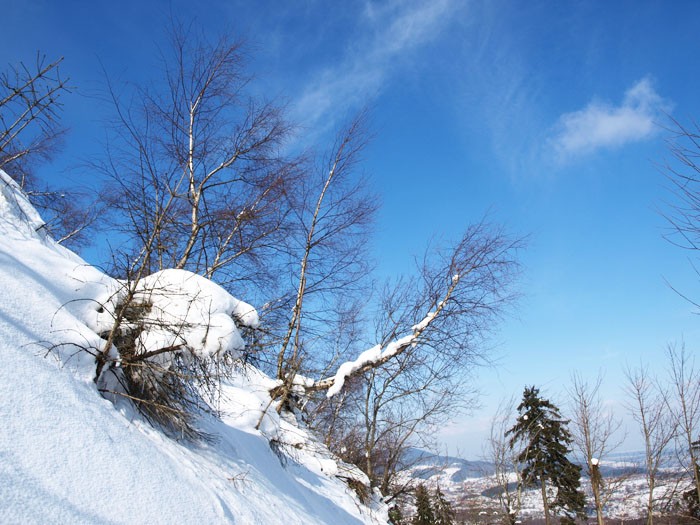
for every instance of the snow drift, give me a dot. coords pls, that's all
(70, 456)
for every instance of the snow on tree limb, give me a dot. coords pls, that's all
(464, 290)
(378, 355)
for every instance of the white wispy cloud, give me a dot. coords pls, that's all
(389, 32)
(604, 126)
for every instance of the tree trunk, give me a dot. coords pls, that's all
(650, 504)
(595, 487)
(545, 502)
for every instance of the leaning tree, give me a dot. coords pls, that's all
(203, 179)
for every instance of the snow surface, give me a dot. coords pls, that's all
(184, 310)
(67, 455)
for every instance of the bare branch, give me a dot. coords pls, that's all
(29, 107)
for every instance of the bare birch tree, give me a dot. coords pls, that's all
(647, 405)
(683, 405)
(406, 385)
(196, 166)
(334, 214)
(596, 433)
(507, 470)
(199, 182)
(450, 311)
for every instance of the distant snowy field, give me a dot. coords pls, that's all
(67, 455)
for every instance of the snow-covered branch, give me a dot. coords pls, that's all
(379, 354)
(464, 290)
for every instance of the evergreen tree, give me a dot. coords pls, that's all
(444, 513)
(424, 509)
(395, 515)
(545, 439)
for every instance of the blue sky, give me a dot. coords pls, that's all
(547, 115)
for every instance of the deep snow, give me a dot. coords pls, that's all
(67, 455)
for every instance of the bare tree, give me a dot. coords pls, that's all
(30, 133)
(450, 312)
(683, 405)
(596, 433)
(386, 412)
(334, 215)
(507, 470)
(683, 173)
(647, 405)
(30, 104)
(401, 389)
(201, 183)
(197, 172)
(684, 176)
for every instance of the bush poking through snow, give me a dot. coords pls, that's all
(170, 331)
(363, 491)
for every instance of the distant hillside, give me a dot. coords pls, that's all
(470, 487)
(424, 465)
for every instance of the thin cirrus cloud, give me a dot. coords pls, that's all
(604, 126)
(387, 35)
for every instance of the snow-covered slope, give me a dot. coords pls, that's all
(67, 455)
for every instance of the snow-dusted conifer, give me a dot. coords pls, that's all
(544, 439)
(444, 513)
(424, 508)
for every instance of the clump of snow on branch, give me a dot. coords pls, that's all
(349, 367)
(181, 310)
(300, 383)
(424, 323)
